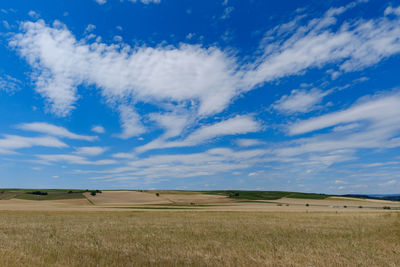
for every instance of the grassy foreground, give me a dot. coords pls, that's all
(199, 238)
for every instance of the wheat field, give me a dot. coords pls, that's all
(199, 238)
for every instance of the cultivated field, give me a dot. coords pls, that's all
(173, 228)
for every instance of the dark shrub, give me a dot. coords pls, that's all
(386, 208)
(360, 207)
(93, 193)
(99, 191)
(307, 205)
(70, 192)
(158, 194)
(345, 206)
(233, 194)
(39, 193)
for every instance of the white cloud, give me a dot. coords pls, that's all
(9, 84)
(300, 101)
(98, 129)
(371, 123)
(33, 14)
(190, 35)
(12, 142)
(353, 46)
(72, 159)
(390, 10)
(118, 38)
(90, 150)
(380, 111)
(389, 183)
(101, 2)
(227, 12)
(130, 123)
(257, 173)
(90, 28)
(347, 127)
(172, 123)
(207, 163)
(122, 155)
(244, 142)
(50, 129)
(6, 24)
(232, 126)
(186, 73)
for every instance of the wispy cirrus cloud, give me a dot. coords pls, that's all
(372, 123)
(352, 47)
(13, 142)
(72, 159)
(210, 162)
(50, 129)
(379, 111)
(101, 2)
(233, 126)
(300, 101)
(9, 84)
(130, 123)
(90, 150)
(98, 129)
(204, 79)
(246, 142)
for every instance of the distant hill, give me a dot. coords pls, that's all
(265, 195)
(391, 197)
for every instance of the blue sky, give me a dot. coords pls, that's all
(265, 95)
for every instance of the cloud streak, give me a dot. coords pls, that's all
(233, 126)
(50, 129)
(12, 142)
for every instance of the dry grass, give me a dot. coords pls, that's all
(199, 238)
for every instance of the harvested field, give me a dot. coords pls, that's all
(115, 200)
(107, 198)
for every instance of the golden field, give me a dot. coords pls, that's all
(207, 238)
(132, 228)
